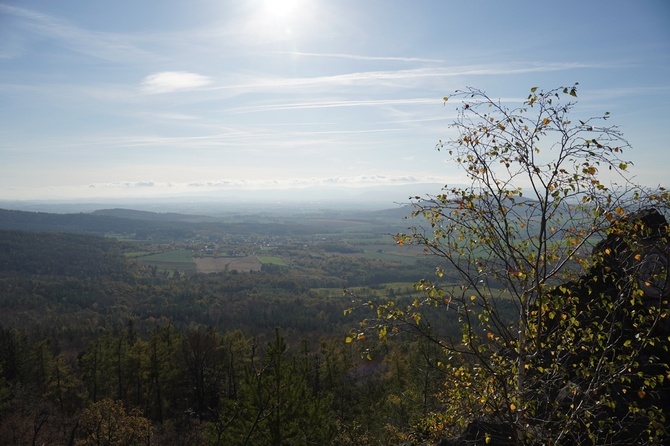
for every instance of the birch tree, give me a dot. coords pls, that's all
(542, 189)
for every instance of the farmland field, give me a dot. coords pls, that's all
(178, 259)
(177, 256)
(219, 264)
(273, 260)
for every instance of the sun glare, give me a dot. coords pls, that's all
(274, 21)
(281, 9)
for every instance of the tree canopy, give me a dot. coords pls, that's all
(561, 342)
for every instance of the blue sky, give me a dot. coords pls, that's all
(143, 98)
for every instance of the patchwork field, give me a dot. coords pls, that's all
(218, 264)
(272, 260)
(179, 259)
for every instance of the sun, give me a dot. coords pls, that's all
(279, 20)
(281, 9)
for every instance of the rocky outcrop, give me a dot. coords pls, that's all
(634, 256)
(484, 433)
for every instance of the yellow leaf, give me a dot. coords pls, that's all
(512, 407)
(546, 121)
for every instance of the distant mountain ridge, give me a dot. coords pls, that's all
(152, 216)
(87, 223)
(171, 226)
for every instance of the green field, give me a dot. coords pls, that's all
(178, 259)
(177, 256)
(272, 260)
(135, 254)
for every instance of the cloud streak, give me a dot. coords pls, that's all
(389, 78)
(361, 57)
(335, 104)
(111, 47)
(289, 183)
(171, 81)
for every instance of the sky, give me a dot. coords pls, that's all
(168, 97)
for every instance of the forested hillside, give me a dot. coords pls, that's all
(88, 333)
(80, 223)
(60, 254)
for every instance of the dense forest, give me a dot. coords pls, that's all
(99, 348)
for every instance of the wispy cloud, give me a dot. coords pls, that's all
(289, 183)
(152, 188)
(170, 81)
(247, 138)
(387, 78)
(334, 104)
(361, 57)
(171, 116)
(129, 184)
(113, 47)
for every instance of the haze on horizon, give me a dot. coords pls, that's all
(155, 99)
